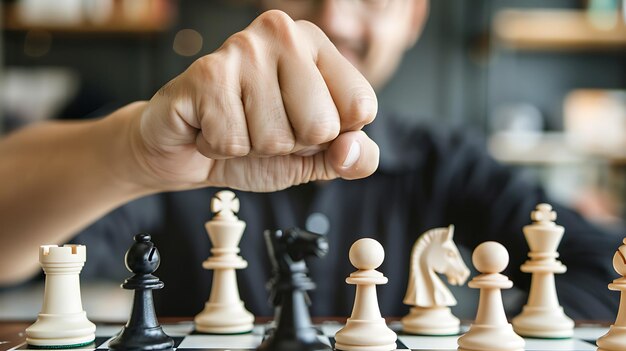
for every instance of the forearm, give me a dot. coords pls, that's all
(57, 179)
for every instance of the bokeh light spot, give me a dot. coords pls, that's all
(187, 42)
(37, 43)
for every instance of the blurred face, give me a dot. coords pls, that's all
(371, 34)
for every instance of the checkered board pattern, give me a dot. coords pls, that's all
(186, 339)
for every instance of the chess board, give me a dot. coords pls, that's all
(186, 339)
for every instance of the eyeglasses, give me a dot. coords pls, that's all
(360, 7)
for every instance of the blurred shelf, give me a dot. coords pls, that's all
(559, 30)
(534, 149)
(548, 149)
(156, 22)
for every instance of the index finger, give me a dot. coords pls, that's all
(353, 95)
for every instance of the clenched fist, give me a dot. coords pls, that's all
(277, 105)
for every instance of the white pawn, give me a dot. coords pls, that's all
(615, 339)
(366, 329)
(490, 330)
(62, 321)
(224, 313)
(543, 316)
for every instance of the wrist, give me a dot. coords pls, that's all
(122, 150)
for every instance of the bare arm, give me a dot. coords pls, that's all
(277, 105)
(57, 178)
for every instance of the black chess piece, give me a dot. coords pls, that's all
(142, 332)
(288, 286)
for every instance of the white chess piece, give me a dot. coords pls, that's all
(434, 252)
(542, 316)
(366, 330)
(615, 338)
(62, 321)
(490, 330)
(224, 313)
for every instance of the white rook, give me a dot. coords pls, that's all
(62, 321)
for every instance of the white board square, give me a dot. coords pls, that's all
(245, 341)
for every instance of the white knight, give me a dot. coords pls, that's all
(434, 252)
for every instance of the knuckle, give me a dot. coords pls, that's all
(206, 62)
(324, 130)
(235, 149)
(274, 146)
(235, 143)
(231, 147)
(281, 28)
(206, 68)
(225, 137)
(214, 77)
(275, 20)
(246, 42)
(364, 108)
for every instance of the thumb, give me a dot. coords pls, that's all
(352, 155)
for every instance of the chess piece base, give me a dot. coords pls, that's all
(55, 330)
(544, 323)
(365, 335)
(614, 340)
(224, 319)
(293, 331)
(491, 338)
(142, 339)
(436, 320)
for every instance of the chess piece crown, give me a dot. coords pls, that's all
(619, 264)
(543, 237)
(366, 255)
(142, 259)
(490, 259)
(224, 205)
(225, 231)
(54, 254)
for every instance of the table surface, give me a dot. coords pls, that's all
(12, 333)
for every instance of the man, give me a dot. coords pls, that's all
(281, 103)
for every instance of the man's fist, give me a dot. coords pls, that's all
(277, 105)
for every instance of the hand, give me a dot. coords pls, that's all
(277, 105)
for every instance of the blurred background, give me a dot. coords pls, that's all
(544, 81)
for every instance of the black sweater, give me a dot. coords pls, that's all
(427, 178)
